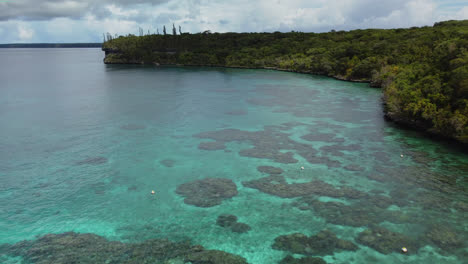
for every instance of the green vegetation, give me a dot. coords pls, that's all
(423, 71)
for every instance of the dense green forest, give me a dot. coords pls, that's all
(423, 71)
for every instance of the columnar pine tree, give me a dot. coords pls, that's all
(164, 30)
(174, 31)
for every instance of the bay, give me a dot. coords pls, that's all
(83, 144)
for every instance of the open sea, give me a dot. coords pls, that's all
(83, 144)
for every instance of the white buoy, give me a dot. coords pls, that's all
(401, 155)
(404, 250)
(153, 192)
(302, 167)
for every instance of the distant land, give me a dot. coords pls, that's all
(51, 45)
(423, 72)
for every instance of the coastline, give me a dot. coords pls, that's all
(336, 77)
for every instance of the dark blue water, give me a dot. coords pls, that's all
(83, 144)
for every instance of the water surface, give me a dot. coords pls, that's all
(82, 144)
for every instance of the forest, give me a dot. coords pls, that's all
(423, 71)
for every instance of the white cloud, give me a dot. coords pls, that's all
(119, 12)
(24, 33)
(462, 14)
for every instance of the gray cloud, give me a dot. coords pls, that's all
(49, 9)
(85, 20)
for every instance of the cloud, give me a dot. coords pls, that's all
(25, 33)
(86, 20)
(49, 9)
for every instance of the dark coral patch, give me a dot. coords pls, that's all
(277, 185)
(444, 237)
(214, 145)
(339, 148)
(230, 221)
(381, 156)
(270, 169)
(304, 260)
(269, 143)
(259, 153)
(323, 160)
(323, 243)
(386, 241)
(359, 214)
(168, 163)
(226, 220)
(323, 137)
(353, 167)
(132, 188)
(207, 192)
(92, 161)
(214, 257)
(236, 112)
(89, 248)
(240, 228)
(376, 177)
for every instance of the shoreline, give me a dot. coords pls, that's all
(339, 78)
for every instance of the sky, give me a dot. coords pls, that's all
(65, 21)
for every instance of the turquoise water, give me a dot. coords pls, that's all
(82, 144)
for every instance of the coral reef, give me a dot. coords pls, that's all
(168, 163)
(264, 153)
(323, 243)
(304, 260)
(362, 213)
(353, 167)
(214, 145)
(444, 237)
(226, 220)
(214, 257)
(236, 112)
(240, 227)
(277, 185)
(207, 192)
(90, 248)
(276, 146)
(386, 241)
(270, 169)
(269, 143)
(230, 221)
(92, 161)
(323, 137)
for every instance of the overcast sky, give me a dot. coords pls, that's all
(85, 20)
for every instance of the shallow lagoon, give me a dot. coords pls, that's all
(82, 144)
